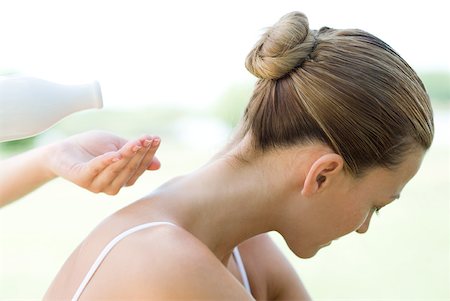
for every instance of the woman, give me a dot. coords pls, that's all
(337, 125)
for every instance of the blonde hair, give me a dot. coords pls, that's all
(345, 88)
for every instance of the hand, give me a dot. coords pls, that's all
(102, 162)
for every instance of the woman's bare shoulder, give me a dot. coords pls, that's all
(165, 262)
(264, 255)
(271, 270)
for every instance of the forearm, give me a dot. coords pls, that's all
(23, 173)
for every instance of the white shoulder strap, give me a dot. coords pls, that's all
(240, 264)
(107, 249)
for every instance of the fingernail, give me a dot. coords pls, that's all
(136, 148)
(147, 142)
(156, 142)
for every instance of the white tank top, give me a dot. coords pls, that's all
(118, 238)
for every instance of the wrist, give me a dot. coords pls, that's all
(46, 159)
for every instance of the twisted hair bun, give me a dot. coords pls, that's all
(284, 46)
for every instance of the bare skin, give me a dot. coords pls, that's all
(223, 205)
(97, 161)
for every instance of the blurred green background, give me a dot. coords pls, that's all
(404, 256)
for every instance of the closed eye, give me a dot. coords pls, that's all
(377, 209)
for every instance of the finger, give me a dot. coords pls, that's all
(153, 146)
(154, 165)
(128, 171)
(130, 152)
(95, 166)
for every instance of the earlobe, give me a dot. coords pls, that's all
(321, 172)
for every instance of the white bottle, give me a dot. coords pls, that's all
(30, 105)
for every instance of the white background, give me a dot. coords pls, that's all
(187, 53)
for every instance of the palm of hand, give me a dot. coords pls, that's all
(103, 162)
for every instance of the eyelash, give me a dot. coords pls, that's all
(377, 210)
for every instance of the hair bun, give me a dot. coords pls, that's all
(283, 47)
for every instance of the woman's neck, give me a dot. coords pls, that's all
(228, 201)
(222, 204)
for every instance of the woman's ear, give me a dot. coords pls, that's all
(321, 172)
